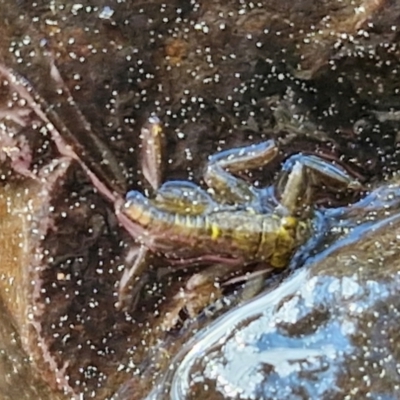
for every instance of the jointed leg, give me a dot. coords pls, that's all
(132, 279)
(227, 187)
(201, 290)
(302, 173)
(152, 136)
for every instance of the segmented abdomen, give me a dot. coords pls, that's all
(239, 233)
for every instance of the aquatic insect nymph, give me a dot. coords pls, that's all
(225, 227)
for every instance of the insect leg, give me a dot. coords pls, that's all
(153, 139)
(132, 279)
(201, 290)
(302, 173)
(221, 166)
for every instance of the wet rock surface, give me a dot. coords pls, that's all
(76, 83)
